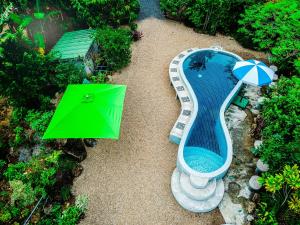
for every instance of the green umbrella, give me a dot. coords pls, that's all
(88, 111)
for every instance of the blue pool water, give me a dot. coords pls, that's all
(209, 74)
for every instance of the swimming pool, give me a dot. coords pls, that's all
(209, 74)
(205, 149)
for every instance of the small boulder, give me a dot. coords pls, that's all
(257, 143)
(250, 218)
(261, 166)
(251, 207)
(256, 198)
(254, 184)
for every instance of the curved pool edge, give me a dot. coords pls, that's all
(181, 164)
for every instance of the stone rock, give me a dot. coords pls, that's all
(256, 198)
(76, 149)
(250, 218)
(234, 117)
(231, 212)
(259, 103)
(245, 192)
(274, 68)
(255, 111)
(254, 184)
(234, 188)
(250, 207)
(261, 166)
(77, 170)
(257, 143)
(24, 154)
(90, 142)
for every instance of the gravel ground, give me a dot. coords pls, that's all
(128, 181)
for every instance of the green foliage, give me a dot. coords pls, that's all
(72, 214)
(99, 78)
(176, 9)
(28, 182)
(265, 217)
(274, 27)
(65, 192)
(39, 172)
(23, 193)
(29, 79)
(114, 47)
(38, 121)
(209, 16)
(281, 134)
(283, 192)
(98, 13)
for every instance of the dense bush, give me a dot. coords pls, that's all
(114, 46)
(98, 13)
(30, 79)
(281, 134)
(274, 27)
(281, 202)
(24, 184)
(208, 16)
(28, 182)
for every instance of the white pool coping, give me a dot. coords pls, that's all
(182, 165)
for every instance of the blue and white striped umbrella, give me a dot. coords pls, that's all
(253, 72)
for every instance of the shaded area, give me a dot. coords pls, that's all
(150, 8)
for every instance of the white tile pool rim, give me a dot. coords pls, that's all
(183, 166)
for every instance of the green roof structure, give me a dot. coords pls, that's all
(74, 44)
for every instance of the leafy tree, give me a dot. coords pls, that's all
(114, 47)
(209, 16)
(30, 79)
(98, 13)
(281, 134)
(274, 27)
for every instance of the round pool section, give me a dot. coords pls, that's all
(206, 149)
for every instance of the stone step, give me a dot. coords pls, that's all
(197, 193)
(195, 205)
(199, 182)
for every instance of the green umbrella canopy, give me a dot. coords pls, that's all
(88, 111)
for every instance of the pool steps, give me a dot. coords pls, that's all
(195, 199)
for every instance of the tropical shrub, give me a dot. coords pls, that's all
(282, 197)
(72, 214)
(209, 16)
(274, 27)
(114, 47)
(30, 79)
(38, 121)
(281, 134)
(27, 182)
(98, 13)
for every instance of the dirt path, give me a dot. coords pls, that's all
(128, 181)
